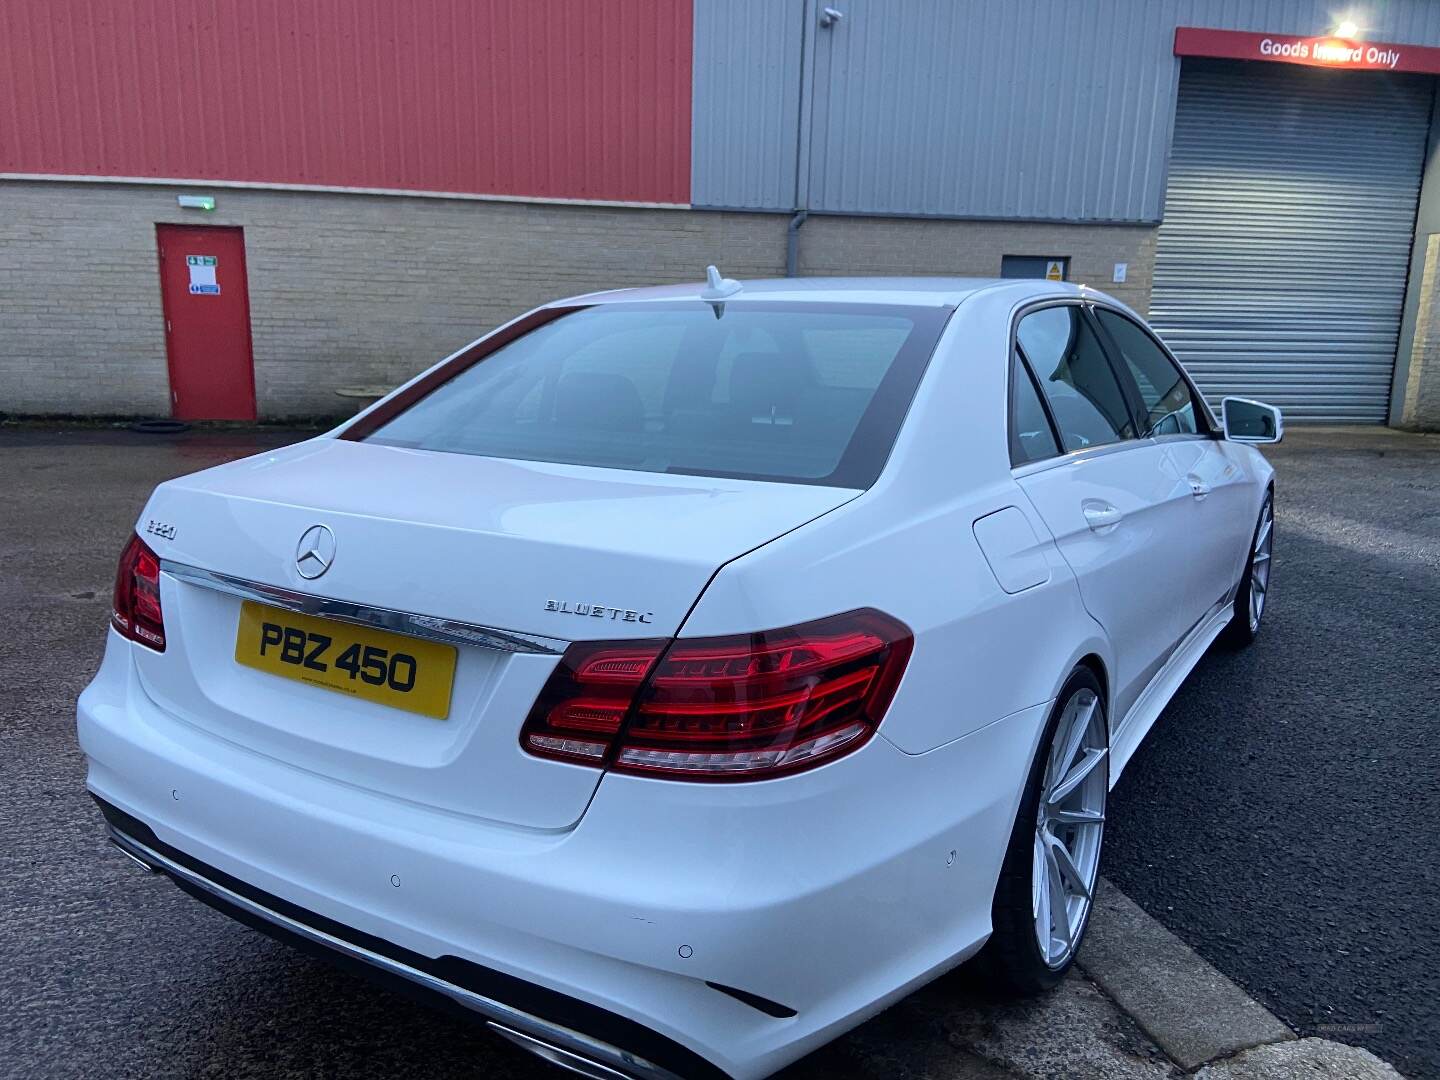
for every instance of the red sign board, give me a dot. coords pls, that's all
(1327, 52)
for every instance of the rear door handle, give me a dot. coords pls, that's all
(1199, 488)
(1100, 515)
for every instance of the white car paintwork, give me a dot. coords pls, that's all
(833, 891)
(643, 541)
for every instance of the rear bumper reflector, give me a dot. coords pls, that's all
(755, 1001)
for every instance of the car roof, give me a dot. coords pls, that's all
(898, 291)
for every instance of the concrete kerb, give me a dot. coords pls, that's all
(1198, 1017)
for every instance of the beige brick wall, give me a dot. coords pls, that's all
(1420, 408)
(357, 289)
(344, 289)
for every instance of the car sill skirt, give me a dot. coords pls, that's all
(560, 1045)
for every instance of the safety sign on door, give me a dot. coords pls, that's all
(202, 275)
(1054, 270)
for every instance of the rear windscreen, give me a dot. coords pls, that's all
(802, 393)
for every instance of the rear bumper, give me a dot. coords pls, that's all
(821, 897)
(546, 1023)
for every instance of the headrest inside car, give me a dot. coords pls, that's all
(765, 387)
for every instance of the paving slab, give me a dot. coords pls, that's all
(1191, 1010)
(1301, 1059)
(956, 1029)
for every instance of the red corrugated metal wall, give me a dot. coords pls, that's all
(584, 99)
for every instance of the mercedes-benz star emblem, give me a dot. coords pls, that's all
(315, 552)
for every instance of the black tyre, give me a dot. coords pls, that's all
(1047, 882)
(1252, 595)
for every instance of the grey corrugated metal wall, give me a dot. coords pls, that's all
(935, 108)
(746, 114)
(1280, 267)
(1040, 109)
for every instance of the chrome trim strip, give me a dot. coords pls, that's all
(1085, 453)
(557, 1055)
(509, 1020)
(449, 631)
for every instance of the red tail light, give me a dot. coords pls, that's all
(731, 708)
(136, 612)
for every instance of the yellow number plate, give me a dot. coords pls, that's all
(391, 669)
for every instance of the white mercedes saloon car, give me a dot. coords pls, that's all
(675, 677)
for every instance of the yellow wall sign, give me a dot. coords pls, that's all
(1054, 270)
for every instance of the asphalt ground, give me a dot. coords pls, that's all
(1277, 820)
(1281, 817)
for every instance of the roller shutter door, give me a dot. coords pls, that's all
(1289, 210)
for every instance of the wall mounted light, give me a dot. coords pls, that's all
(196, 202)
(1347, 30)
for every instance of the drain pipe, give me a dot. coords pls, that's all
(792, 243)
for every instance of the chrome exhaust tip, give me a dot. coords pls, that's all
(568, 1060)
(136, 859)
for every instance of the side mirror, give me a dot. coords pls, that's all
(1247, 421)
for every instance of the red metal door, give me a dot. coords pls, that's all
(207, 322)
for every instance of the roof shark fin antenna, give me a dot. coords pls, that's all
(717, 288)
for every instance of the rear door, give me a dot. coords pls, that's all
(1114, 502)
(1172, 414)
(207, 322)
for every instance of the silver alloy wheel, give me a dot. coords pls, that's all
(1069, 826)
(1260, 564)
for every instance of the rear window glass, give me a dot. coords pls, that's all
(802, 393)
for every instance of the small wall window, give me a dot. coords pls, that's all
(1047, 267)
